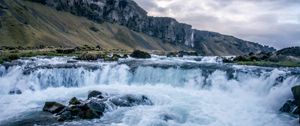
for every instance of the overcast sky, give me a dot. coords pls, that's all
(269, 22)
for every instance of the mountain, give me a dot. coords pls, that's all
(111, 24)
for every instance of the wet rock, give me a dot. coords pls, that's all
(296, 92)
(140, 54)
(293, 106)
(15, 91)
(130, 100)
(289, 107)
(94, 106)
(88, 114)
(74, 101)
(72, 61)
(96, 94)
(31, 119)
(64, 116)
(53, 107)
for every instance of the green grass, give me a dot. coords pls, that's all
(83, 53)
(270, 64)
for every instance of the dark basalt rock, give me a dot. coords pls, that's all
(97, 106)
(289, 107)
(32, 119)
(15, 91)
(95, 94)
(296, 92)
(130, 100)
(292, 106)
(94, 106)
(53, 107)
(74, 101)
(140, 54)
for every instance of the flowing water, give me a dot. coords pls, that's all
(190, 91)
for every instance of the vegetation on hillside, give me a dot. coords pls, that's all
(288, 57)
(86, 52)
(24, 23)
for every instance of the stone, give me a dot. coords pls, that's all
(130, 100)
(66, 115)
(35, 118)
(296, 92)
(15, 91)
(53, 107)
(288, 107)
(96, 94)
(74, 101)
(96, 106)
(140, 54)
(88, 114)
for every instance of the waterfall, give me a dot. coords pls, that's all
(164, 79)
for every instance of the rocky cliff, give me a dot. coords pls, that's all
(30, 24)
(168, 30)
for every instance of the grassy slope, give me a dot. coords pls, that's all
(32, 24)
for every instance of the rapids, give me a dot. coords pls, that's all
(188, 91)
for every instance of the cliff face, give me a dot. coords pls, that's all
(24, 23)
(127, 13)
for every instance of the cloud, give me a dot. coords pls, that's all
(269, 22)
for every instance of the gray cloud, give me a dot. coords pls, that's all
(269, 22)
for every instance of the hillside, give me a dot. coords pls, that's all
(110, 24)
(26, 23)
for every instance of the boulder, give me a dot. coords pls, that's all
(296, 92)
(74, 101)
(65, 51)
(140, 54)
(65, 115)
(97, 106)
(88, 114)
(95, 94)
(53, 107)
(130, 100)
(94, 106)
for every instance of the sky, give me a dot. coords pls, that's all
(269, 22)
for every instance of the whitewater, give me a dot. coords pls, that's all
(190, 91)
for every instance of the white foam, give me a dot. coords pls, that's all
(181, 96)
